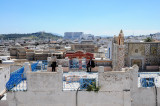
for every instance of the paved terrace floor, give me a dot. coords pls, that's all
(20, 87)
(71, 80)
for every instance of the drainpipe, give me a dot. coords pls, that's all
(77, 96)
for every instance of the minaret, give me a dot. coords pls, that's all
(118, 52)
(120, 39)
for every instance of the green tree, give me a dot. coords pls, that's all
(148, 39)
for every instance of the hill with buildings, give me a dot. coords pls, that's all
(37, 35)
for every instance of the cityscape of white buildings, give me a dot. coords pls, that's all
(126, 71)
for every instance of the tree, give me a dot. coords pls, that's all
(148, 39)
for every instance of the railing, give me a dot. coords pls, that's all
(79, 80)
(39, 65)
(148, 79)
(44, 64)
(15, 78)
(147, 82)
(82, 63)
(34, 66)
(17, 81)
(77, 64)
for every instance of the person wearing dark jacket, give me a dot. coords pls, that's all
(53, 65)
(90, 65)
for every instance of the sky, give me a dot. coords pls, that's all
(97, 17)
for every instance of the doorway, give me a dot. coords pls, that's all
(137, 62)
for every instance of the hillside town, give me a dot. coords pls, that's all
(79, 53)
(80, 65)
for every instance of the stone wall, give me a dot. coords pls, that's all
(118, 57)
(143, 54)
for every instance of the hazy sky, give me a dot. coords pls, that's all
(98, 17)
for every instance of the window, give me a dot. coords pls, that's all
(147, 82)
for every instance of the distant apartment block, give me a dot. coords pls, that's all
(72, 35)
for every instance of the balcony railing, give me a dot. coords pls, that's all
(15, 78)
(148, 79)
(34, 66)
(17, 81)
(39, 65)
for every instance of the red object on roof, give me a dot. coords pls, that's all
(79, 55)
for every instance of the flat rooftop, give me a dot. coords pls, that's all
(71, 80)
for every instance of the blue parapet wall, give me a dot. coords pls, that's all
(34, 66)
(17, 76)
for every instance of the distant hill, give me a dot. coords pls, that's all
(37, 35)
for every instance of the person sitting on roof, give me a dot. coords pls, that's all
(90, 65)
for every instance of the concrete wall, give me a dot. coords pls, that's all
(67, 98)
(106, 68)
(114, 81)
(14, 67)
(4, 77)
(117, 89)
(45, 89)
(152, 68)
(145, 97)
(66, 69)
(142, 96)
